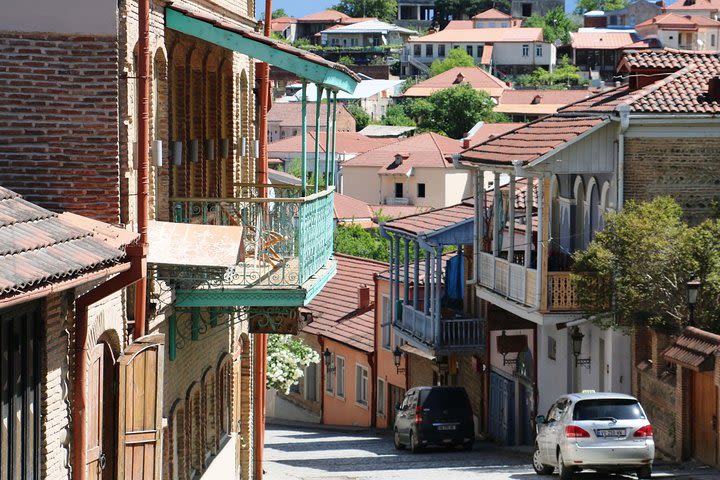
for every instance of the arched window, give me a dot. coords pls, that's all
(209, 411)
(592, 210)
(194, 450)
(579, 217)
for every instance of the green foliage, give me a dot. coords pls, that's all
(280, 12)
(409, 82)
(302, 43)
(355, 240)
(457, 9)
(385, 10)
(454, 111)
(584, 6)
(396, 115)
(636, 268)
(556, 25)
(286, 358)
(563, 76)
(457, 57)
(295, 169)
(346, 60)
(361, 117)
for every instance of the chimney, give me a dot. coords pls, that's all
(536, 99)
(714, 89)
(459, 79)
(466, 142)
(363, 297)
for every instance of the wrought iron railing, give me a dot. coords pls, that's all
(282, 242)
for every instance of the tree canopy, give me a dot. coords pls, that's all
(637, 266)
(280, 12)
(584, 6)
(355, 240)
(556, 25)
(562, 77)
(457, 57)
(385, 10)
(446, 10)
(286, 358)
(361, 117)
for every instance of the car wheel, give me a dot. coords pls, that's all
(564, 472)
(396, 441)
(539, 467)
(645, 472)
(414, 445)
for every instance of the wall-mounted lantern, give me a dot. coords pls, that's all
(577, 339)
(397, 356)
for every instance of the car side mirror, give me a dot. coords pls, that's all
(398, 406)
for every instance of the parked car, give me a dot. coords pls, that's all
(434, 416)
(606, 432)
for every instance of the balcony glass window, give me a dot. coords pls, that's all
(385, 322)
(526, 50)
(429, 50)
(398, 190)
(441, 50)
(361, 384)
(340, 377)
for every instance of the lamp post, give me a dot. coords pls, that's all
(397, 355)
(693, 286)
(577, 337)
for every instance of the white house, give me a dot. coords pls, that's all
(370, 33)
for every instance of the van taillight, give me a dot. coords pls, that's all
(573, 431)
(645, 431)
(418, 415)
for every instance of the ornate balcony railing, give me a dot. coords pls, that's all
(283, 241)
(561, 292)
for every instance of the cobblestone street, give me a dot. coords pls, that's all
(294, 453)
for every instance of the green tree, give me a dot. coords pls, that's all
(454, 111)
(396, 115)
(357, 241)
(286, 358)
(584, 6)
(563, 76)
(346, 60)
(362, 119)
(280, 12)
(385, 10)
(635, 269)
(556, 25)
(457, 57)
(445, 10)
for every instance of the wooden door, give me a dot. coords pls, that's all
(140, 372)
(96, 457)
(703, 417)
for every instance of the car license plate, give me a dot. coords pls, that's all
(611, 432)
(446, 427)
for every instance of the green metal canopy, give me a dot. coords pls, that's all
(227, 35)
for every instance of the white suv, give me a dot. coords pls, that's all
(607, 432)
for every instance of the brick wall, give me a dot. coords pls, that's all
(688, 169)
(58, 121)
(421, 371)
(469, 378)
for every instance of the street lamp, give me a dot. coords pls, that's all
(328, 360)
(577, 338)
(693, 286)
(397, 355)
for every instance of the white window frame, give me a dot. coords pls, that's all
(526, 50)
(381, 400)
(361, 385)
(339, 382)
(538, 50)
(330, 377)
(386, 323)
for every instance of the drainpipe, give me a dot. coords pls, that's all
(321, 341)
(374, 380)
(624, 112)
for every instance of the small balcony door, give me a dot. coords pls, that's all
(398, 190)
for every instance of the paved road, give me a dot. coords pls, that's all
(295, 453)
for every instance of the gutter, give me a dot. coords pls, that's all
(624, 113)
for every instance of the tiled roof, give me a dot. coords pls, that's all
(490, 130)
(531, 141)
(679, 22)
(492, 14)
(668, 59)
(487, 52)
(325, 16)
(281, 23)
(694, 5)
(351, 210)
(434, 220)
(289, 114)
(604, 102)
(538, 101)
(335, 312)
(397, 211)
(694, 349)
(482, 35)
(347, 142)
(39, 247)
(427, 150)
(256, 37)
(602, 41)
(459, 25)
(478, 78)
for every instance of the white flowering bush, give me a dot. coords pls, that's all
(286, 358)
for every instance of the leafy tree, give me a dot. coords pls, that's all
(346, 60)
(584, 6)
(295, 169)
(280, 12)
(385, 10)
(361, 117)
(396, 115)
(556, 25)
(634, 271)
(454, 111)
(355, 240)
(457, 57)
(286, 357)
(563, 76)
(446, 10)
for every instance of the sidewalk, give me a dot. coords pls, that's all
(223, 464)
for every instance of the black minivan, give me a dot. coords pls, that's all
(434, 416)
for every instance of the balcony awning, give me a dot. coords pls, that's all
(228, 35)
(447, 226)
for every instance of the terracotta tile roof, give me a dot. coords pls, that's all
(492, 14)
(39, 247)
(604, 102)
(486, 58)
(289, 114)
(254, 36)
(459, 25)
(351, 210)
(434, 220)
(602, 40)
(668, 59)
(335, 312)
(281, 23)
(538, 102)
(531, 141)
(347, 142)
(478, 78)
(678, 22)
(324, 16)
(694, 349)
(482, 35)
(490, 130)
(397, 211)
(694, 5)
(427, 150)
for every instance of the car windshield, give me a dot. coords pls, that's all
(446, 397)
(608, 408)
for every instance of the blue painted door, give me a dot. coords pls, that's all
(502, 409)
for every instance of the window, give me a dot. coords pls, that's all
(398, 190)
(417, 50)
(613, 20)
(469, 50)
(340, 373)
(421, 190)
(385, 322)
(525, 50)
(527, 9)
(361, 385)
(552, 348)
(329, 376)
(538, 50)
(381, 397)
(429, 50)
(712, 40)
(441, 50)
(311, 382)
(492, 24)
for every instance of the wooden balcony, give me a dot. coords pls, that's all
(561, 292)
(455, 334)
